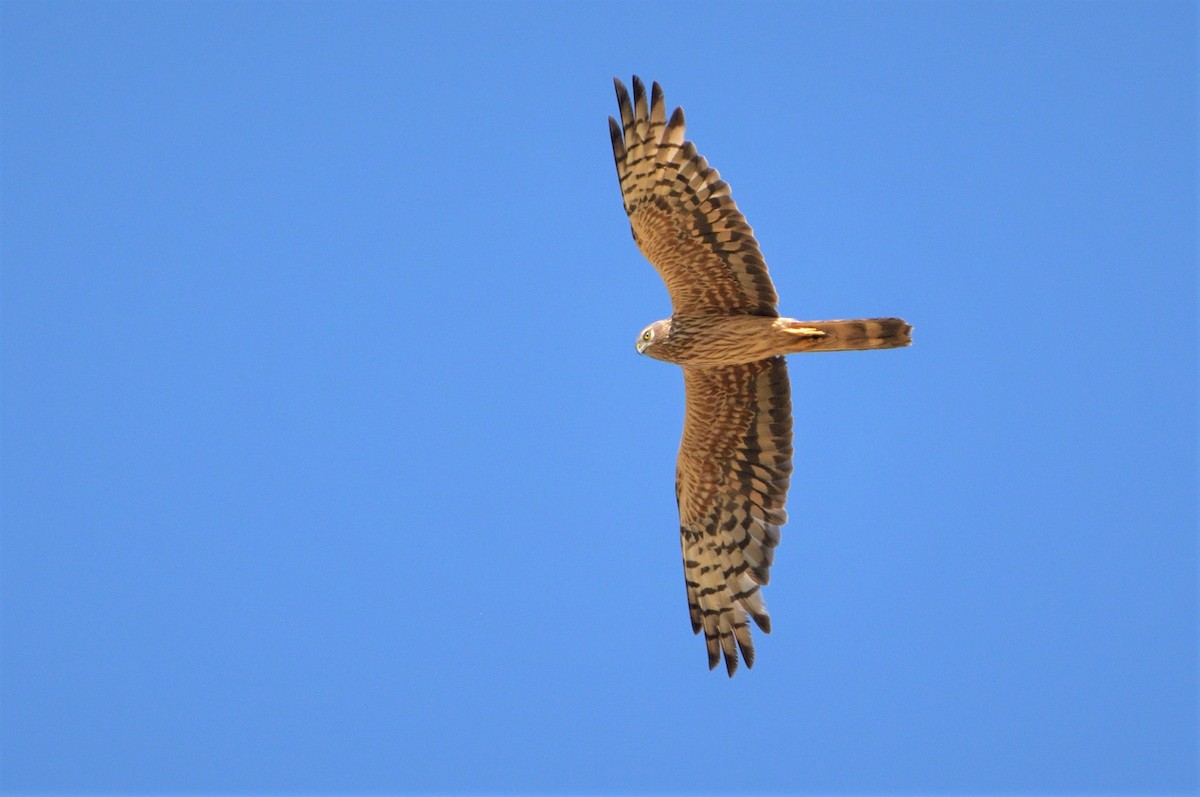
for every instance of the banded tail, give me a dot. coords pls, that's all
(853, 335)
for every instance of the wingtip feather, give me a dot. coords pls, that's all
(731, 664)
(618, 139)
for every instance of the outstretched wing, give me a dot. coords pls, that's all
(683, 218)
(731, 481)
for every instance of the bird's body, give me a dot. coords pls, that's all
(735, 458)
(739, 339)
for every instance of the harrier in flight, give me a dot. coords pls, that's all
(735, 460)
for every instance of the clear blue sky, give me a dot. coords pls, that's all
(329, 465)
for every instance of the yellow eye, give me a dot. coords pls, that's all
(647, 335)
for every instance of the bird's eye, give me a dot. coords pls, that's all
(647, 335)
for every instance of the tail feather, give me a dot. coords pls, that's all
(848, 335)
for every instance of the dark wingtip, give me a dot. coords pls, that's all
(614, 131)
(622, 92)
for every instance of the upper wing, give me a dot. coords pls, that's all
(731, 482)
(683, 218)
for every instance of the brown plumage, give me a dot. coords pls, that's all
(735, 459)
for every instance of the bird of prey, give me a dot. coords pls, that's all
(735, 459)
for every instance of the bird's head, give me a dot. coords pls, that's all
(653, 335)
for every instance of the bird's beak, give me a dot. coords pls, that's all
(641, 347)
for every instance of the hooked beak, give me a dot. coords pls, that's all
(641, 347)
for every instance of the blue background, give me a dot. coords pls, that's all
(328, 463)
